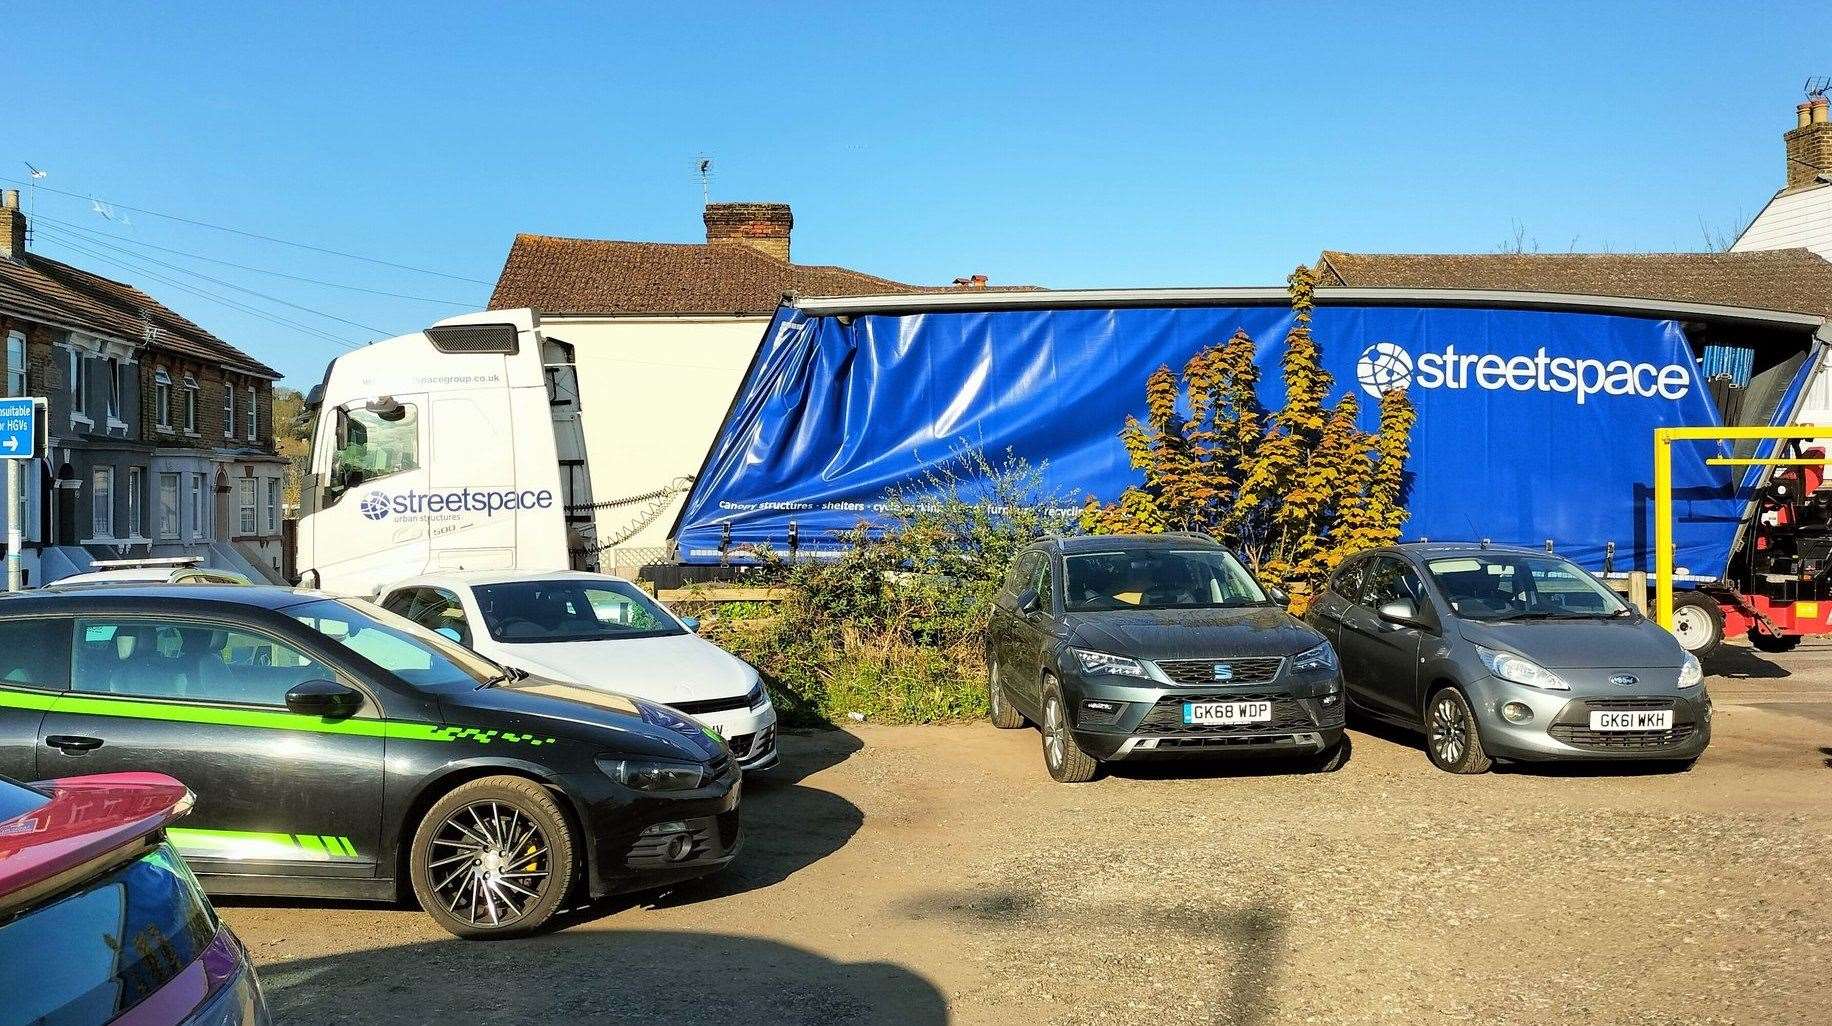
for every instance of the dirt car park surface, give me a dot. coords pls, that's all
(936, 874)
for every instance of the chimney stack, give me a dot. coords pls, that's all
(764, 227)
(1809, 145)
(12, 226)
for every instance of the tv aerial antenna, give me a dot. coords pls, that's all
(1817, 86)
(705, 166)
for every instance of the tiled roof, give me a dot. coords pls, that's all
(1794, 280)
(594, 276)
(41, 289)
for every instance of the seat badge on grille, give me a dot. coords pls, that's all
(1223, 671)
(1625, 680)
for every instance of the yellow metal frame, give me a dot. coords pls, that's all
(1663, 488)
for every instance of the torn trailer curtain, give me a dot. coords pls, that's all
(1533, 424)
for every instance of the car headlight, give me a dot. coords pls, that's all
(1690, 672)
(1520, 670)
(757, 699)
(1323, 657)
(655, 774)
(1101, 662)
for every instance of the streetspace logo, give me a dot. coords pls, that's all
(423, 505)
(1386, 367)
(374, 506)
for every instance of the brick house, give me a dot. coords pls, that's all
(160, 434)
(661, 333)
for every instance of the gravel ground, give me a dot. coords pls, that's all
(930, 875)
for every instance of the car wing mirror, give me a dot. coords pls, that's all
(1028, 601)
(1279, 595)
(326, 698)
(692, 623)
(450, 633)
(1403, 613)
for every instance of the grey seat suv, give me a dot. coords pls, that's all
(1499, 652)
(1148, 646)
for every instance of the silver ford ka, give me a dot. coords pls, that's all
(1505, 653)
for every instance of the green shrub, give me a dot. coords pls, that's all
(893, 628)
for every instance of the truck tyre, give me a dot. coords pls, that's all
(1452, 738)
(1003, 715)
(493, 858)
(1774, 643)
(1698, 623)
(1065, 760)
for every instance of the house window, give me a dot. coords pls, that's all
(114, 389)
(273, 505)
(101, 495)
(248, 508)
(136, 516)
(190, 405)
(15, 363)
(79, 383)
(168, 506)
(198, 529)
(228, 410)
(162, 397)
(254, 417)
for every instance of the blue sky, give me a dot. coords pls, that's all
(1121, 144)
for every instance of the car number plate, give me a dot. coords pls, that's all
(1224, 714)
(1632, 719)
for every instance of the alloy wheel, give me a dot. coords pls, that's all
(489, 863)
(1052, 730)
(1449, 730)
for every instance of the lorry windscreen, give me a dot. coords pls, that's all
(548, 612)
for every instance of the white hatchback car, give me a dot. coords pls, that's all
(596, 631)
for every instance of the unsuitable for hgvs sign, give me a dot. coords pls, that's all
(18, 428)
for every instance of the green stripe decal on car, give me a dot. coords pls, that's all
(185, 712)
(256, 846)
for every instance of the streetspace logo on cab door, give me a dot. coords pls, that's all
(1387, 366)
(414, 504)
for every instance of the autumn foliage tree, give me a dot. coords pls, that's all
(1296, 491)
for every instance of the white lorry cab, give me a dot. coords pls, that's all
(453, 448)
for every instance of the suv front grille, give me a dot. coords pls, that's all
(1166, 717)
(1244, 670)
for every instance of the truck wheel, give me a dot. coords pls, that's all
(1774, 643)
(1004, 716)
(1698, 623)
(1067, 763)
(493, 858)
(1452, 738)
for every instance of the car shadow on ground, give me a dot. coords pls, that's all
(1739, 663)
(788, 826)
(1594, 768)
(600, 976)
(1242, 949)
(1196, 767)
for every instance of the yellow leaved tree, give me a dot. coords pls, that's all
(1295, 491)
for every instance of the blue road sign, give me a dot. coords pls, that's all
(18, 428)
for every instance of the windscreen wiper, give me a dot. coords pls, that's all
(510, 675)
